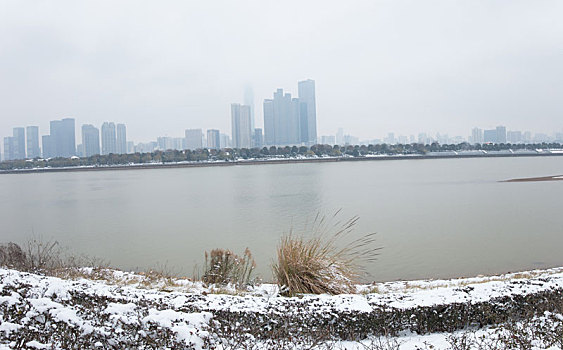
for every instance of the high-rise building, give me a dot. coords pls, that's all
(340, 137)
(109, 138)
(194, 139)
(213, 139)
(308, 115)
(477, 135)
(490, 136)
(121, 141)
(241, 126)
(514, 136)
(501, 134)
(258, 138)
(225, 141)
(48, 146)
(62, 138)
(90, 140)
(282, 122)
(249, 101)
(9, 148)
(32, 138)
(18, 143)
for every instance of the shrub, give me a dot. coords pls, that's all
(224, 267)
(317, 265)
(12, 256)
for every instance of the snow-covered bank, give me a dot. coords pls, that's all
(47, 312)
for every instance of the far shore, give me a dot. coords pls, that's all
(534, 179)
(140, 166)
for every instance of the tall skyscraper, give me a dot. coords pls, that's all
(63, 139)
(309, 120)
(90, 140)
(249, 101)
(109, 138)
(33, 150)
(194, 139)
(18, 143)
(241, 126)
(121, 146)
(213, 139)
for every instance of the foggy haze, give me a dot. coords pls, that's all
(379, 66)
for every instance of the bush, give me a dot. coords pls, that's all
(317, 265)
(224, 267)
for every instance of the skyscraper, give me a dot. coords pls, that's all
(33, 150)
(121, 146)
(241, 126)
(90, 140)
(194, 139)
(62, 138)
(307, 96)
(109, 138)
(18, 143)
(490, 136)
(213, 139)
(282, 119)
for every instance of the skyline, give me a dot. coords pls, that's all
(382, 66)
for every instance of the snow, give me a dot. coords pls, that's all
(187, 308)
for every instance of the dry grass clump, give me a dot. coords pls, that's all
(225, 267)
(319, 264)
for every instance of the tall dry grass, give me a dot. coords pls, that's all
(323, 262)
(222, 267)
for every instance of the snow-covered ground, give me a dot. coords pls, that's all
(127, 310)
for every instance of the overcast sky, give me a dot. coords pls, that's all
(380, 66)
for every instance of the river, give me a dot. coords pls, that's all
(434, 218)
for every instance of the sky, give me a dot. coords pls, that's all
(397, 66)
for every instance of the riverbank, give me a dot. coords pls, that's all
(289, 160)
(534, 179)
(114, 309)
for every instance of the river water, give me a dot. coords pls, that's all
(434, 218)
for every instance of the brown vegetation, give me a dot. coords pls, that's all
(317, 264)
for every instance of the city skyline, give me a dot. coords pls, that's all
(388, 67)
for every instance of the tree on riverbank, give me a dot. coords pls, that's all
(233, 154)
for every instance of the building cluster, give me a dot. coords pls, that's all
(61, 141)
(287, 120)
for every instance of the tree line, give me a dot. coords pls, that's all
(234, 154)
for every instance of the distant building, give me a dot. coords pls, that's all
(241, 126)
(213, 139)
(340, 137)
(501, 134)
(121, 139)
(328, 140)
(130, 147)
(32, 137)
(109, 138)
(225, 141)
(282, 122)
(18, 143)
(90, 140)
(514, 136)
(490, 136)
(258, 138)
(62, 140)
(9, 148)
(48, 146)
(308, 112)
(194, 139)
(476, 135)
